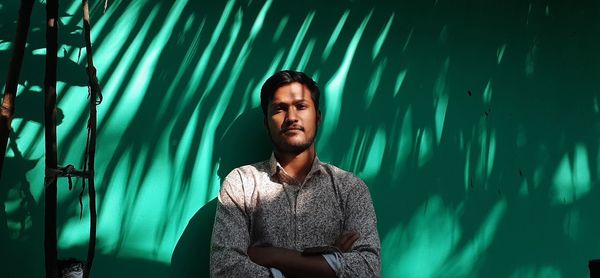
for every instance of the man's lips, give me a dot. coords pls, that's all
(293, 128)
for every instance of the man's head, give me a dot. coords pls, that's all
(290, 103)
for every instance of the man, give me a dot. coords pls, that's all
(293, 215)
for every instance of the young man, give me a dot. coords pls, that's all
(293, 215)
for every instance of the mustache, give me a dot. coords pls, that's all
(298, 127)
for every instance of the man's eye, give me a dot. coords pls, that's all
(302, 106)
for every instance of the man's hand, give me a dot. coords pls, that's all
(345, 241)
(290, 262)
(266, 256)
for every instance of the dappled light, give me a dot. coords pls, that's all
(475, 126)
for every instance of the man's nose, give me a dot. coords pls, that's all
(292, 115)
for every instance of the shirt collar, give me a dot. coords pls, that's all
(275, 167)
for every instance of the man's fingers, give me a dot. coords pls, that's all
(346, 240)
(350, 241)
(343, 238)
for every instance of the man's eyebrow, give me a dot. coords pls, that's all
(300, 101)
(278, 103)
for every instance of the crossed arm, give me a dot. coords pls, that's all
(293, 264)
(232, 253)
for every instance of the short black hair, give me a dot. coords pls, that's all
(283, 78)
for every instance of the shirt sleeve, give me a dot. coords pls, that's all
(276, 273)
(231, 236)
(364, 260)
(333, 261)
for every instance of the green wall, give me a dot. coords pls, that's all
(476, 125)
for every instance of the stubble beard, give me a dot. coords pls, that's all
(283, 146)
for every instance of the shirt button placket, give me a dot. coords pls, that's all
(298, 218)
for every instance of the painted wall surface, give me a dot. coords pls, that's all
(476, 125)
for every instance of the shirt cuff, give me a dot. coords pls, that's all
(334, 260)
(276, 273)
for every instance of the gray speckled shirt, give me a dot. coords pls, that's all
(260, 205)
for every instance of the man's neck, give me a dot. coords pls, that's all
(297, 165)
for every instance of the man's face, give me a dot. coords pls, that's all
(292, 118)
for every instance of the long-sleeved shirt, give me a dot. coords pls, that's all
(261, 205)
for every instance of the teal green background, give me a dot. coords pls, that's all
(476, 125)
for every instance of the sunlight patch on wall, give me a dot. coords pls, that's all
(98, 27)
(137, 87)
(115, 40)
(200, 69)
(420, 248)
(298, 40)
(375, 155)
(382, 36)
(334, 36)
(227, 50)
(306, 55)
(399, 81)
(335, 86)
(440, 100)
(5, 46)
(572, 180)
(408, 39)
(151, 224)
(188, 60)
(491, 152)
(272, 69)
(74, 10)
(133, 94)
(280, 28)
(76, 102)
(467, 173)
(21, 88)
(487, 93)
(28, 131)
(405, 144)
(374, 83)
(39, 52)
(113, 85)
(463, 262)
(425, 146)
(216, 115)
(75, 231)
(481, 152)
(112, 208)
(500, 53)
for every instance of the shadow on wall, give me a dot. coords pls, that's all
(244, 142)
(455, 155)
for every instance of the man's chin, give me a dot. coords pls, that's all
(295, 147)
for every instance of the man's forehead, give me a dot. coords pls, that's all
(292, 91)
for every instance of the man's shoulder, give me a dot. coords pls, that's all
(249, 170)
(345, 176)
